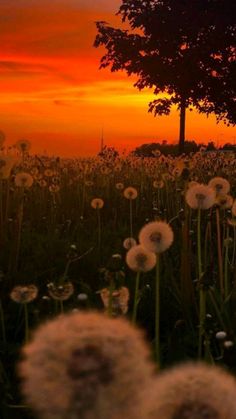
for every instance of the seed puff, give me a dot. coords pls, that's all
(86, 366)
(193, 391)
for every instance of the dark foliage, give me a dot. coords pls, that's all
(181, 48)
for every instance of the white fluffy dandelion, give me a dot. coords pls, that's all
(86, 365)
(200, 196)
(193, 391)
(130, 193)
(129, 242)
(97, 203)
(139, 259)
(221, 185)
(156, 236)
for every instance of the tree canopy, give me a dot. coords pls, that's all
(183, 49)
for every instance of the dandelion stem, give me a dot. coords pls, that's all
(20, 220)
(99, 234)
(214, 303)
(131, 217)
(26, 322)
(1, 212)
(2, 323)
(234, 247)
(111, 290)
(226, 263)
(136, 298)
(157, 313)
(202, 292)
(219, 250)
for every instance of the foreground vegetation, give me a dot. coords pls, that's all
(67, 226)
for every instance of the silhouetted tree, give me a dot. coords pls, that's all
(183, 48)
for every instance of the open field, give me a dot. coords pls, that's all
(63, 231)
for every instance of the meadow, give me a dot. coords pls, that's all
(73, 236)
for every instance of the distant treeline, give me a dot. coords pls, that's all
(155, 148)
(152, 149)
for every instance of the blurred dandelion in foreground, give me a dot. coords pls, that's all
(86, 365)
(200, 196)
(193, 391)
(24, 180)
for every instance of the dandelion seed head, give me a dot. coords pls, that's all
(156, 236)
(97, 203)
(130, 193)
(140, 259)
(24, 180)
(220, 185)
(224, 201)
(23, 145)
(119, 186)
(200, 196)
(158, 184)
(194, 391)
(60, 292)
(221, 335)
(228, 344)
(24, 293)
(129, 242)
(94, 363)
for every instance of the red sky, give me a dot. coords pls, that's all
(53, 94)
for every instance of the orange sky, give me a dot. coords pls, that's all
(52, 93)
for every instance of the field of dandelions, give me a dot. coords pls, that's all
(152, 240)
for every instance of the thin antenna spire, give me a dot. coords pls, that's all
(102, 139)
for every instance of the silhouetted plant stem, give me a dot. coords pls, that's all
(131, 217)
(226, 257)
(219, 250)
(111, 290)
(2, 323)
(26, 314)
(157, 314)
(99, 234)
(202, 291)
(136, 298)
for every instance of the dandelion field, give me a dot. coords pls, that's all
(74, 235)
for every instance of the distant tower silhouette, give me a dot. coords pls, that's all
(102, 141)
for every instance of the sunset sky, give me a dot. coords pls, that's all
(53, 94)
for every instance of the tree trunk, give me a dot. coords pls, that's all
(182, 125)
